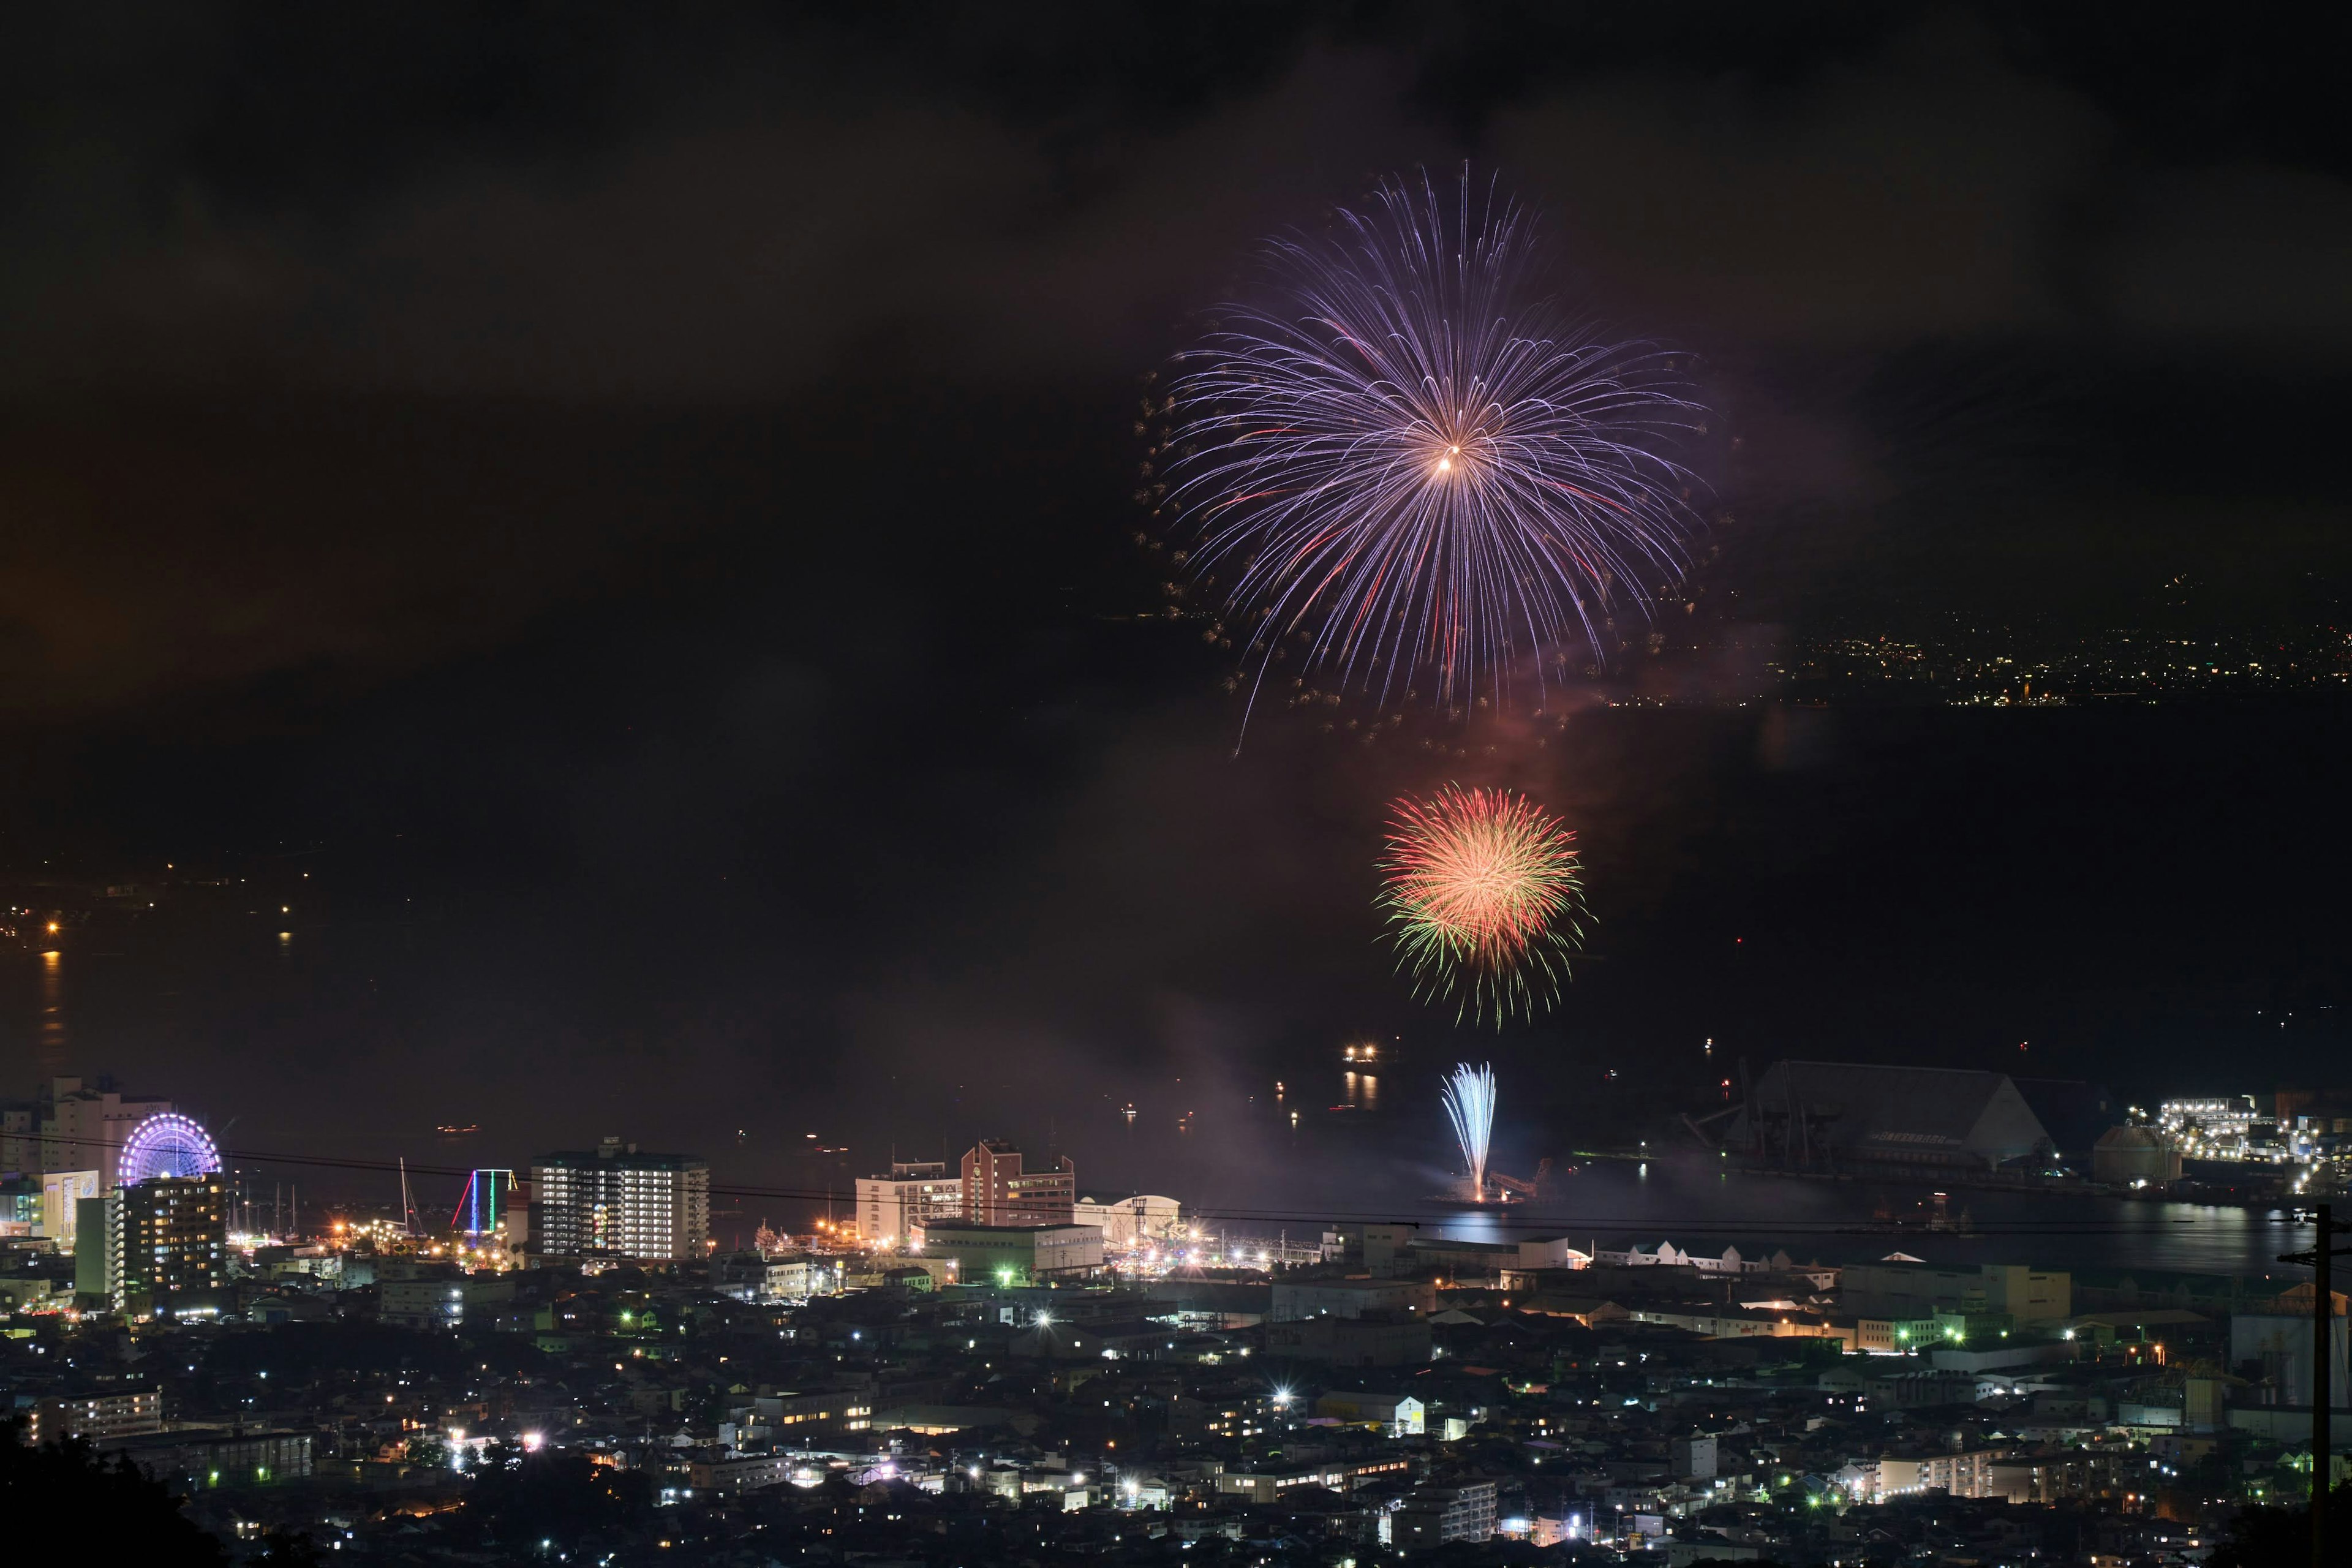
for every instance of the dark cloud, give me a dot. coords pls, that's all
(1921, 192)
(2236, 260)
(452, 205)
(618, 219)
(746, 242)
(163, 548)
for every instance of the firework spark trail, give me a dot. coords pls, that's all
(1417, 463)
(1469, 1094)
(1485, 898)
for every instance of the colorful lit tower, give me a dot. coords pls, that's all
(486, 1196)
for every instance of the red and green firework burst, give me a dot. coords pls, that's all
(1485, 900)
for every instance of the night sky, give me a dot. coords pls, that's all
(640, 513)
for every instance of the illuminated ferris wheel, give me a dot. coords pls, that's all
(167, 1144)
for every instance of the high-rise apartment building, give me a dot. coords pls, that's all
(169, 1240)
(892, 1208)
(997, 1190)
(614, 1201)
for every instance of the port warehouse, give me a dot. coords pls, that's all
(1932, 1122)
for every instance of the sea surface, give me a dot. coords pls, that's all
(1380, 1168)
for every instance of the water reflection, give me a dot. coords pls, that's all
(1834, 1221)
(49, 1039)
(1362, 1091)
(1696, 1203)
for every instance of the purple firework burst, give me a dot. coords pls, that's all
(1406, 457)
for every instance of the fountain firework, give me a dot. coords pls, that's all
(1470, 1105)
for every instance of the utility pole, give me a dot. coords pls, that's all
(2323, 1333)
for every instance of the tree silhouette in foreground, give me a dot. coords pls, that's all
(2281, 1537)
(140, 1519)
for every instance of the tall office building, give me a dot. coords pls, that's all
(84, 1129)
(615, 1201)
(170, 1240)
(20, 1205)
(997, 1190)
(94, 1251)
(61, 1195)
(20, 1143)
(891, 1208)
